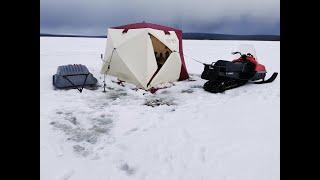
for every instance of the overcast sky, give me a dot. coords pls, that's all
(93, 17)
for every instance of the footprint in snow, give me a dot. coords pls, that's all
(127, 169)
(197, 86)
(67, 175)
(187, 91)
(131, 131)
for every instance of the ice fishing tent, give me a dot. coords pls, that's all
(133, 51)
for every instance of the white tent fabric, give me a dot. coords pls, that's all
(169, 70)
(130, 57)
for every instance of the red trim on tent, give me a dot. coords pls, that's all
(183, 73)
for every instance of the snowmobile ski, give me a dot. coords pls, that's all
(271, 79)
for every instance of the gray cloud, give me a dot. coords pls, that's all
(93, 17)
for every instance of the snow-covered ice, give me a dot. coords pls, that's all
(178, 133)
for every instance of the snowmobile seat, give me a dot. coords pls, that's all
(222, 68)
(73, 76)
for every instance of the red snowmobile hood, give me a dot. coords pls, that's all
(258, 68)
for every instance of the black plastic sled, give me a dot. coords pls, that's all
(75, 76)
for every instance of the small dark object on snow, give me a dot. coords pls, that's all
(159, 102)
(73, 76)
(224, 75)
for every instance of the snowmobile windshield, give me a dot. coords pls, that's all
(245, 49)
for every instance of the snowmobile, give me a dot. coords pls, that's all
(224, 75)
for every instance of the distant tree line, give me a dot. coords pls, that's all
(195, 36)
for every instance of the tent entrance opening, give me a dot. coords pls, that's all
(161, 51)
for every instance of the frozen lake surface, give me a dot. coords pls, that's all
(178, 133)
